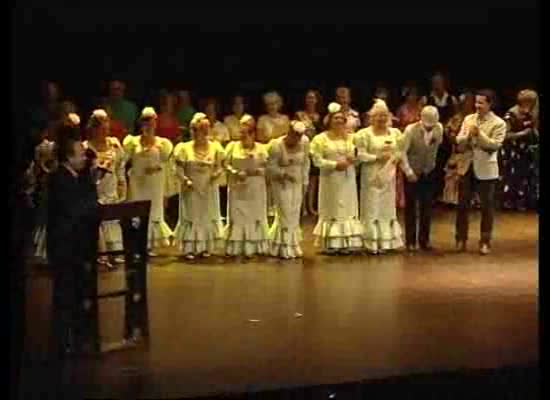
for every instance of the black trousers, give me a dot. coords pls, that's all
(68, 311)
(418, 209)
(486, 189)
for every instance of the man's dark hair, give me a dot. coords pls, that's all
(67, 136)
(488, 94)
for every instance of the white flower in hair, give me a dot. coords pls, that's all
(245, 119)
(99, 114)
(148, 112)
(299, 127)
(197, 118)
(334, 108)
(75, 119)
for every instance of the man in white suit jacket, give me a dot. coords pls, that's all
(483, 133)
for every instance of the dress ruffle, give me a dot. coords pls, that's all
(335, 235)
(383, 235)
(247, 239)
(285, 242)
(195, 239)
(110, 236)
(159, 234)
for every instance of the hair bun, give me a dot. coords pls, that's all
(75, 119)
(148, 112)
(99, 114)
(298, 126)
(197, 118)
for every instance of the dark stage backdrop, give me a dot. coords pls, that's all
(159, 48)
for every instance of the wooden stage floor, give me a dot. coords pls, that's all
(323, 319)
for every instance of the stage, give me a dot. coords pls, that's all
(220, 325)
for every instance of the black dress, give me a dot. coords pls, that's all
(518, 187)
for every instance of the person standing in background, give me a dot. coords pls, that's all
(380, 93)
(168, 124)
(343, 97)
(184, 113)
(518, 188)
(447, 106)
(420, 143)
(454, 168)
(218, 131)
(233, 121)
(483, 133)
(273, 124)
(440, 97)
(116, 128)
(311, 117)
(409, 112)
(48, 110)
(122, 110)
(168, 128)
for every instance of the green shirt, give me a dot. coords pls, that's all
(124, 111)
(184, 116)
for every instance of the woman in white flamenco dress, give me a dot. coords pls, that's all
(379, 151)
(111, 187)
(288, 168)
(338, 229)
(199, 166)
(149, 155)
(247, 229)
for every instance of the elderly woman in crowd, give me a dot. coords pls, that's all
(233, 121)
(273, 124)
(247, 229)
(149, 155)
(199, 165)
(338, 229)
(379, 153)
(519, 189)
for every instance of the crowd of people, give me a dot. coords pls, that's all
(239, 185)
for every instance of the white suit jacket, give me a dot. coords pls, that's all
(482, 151)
